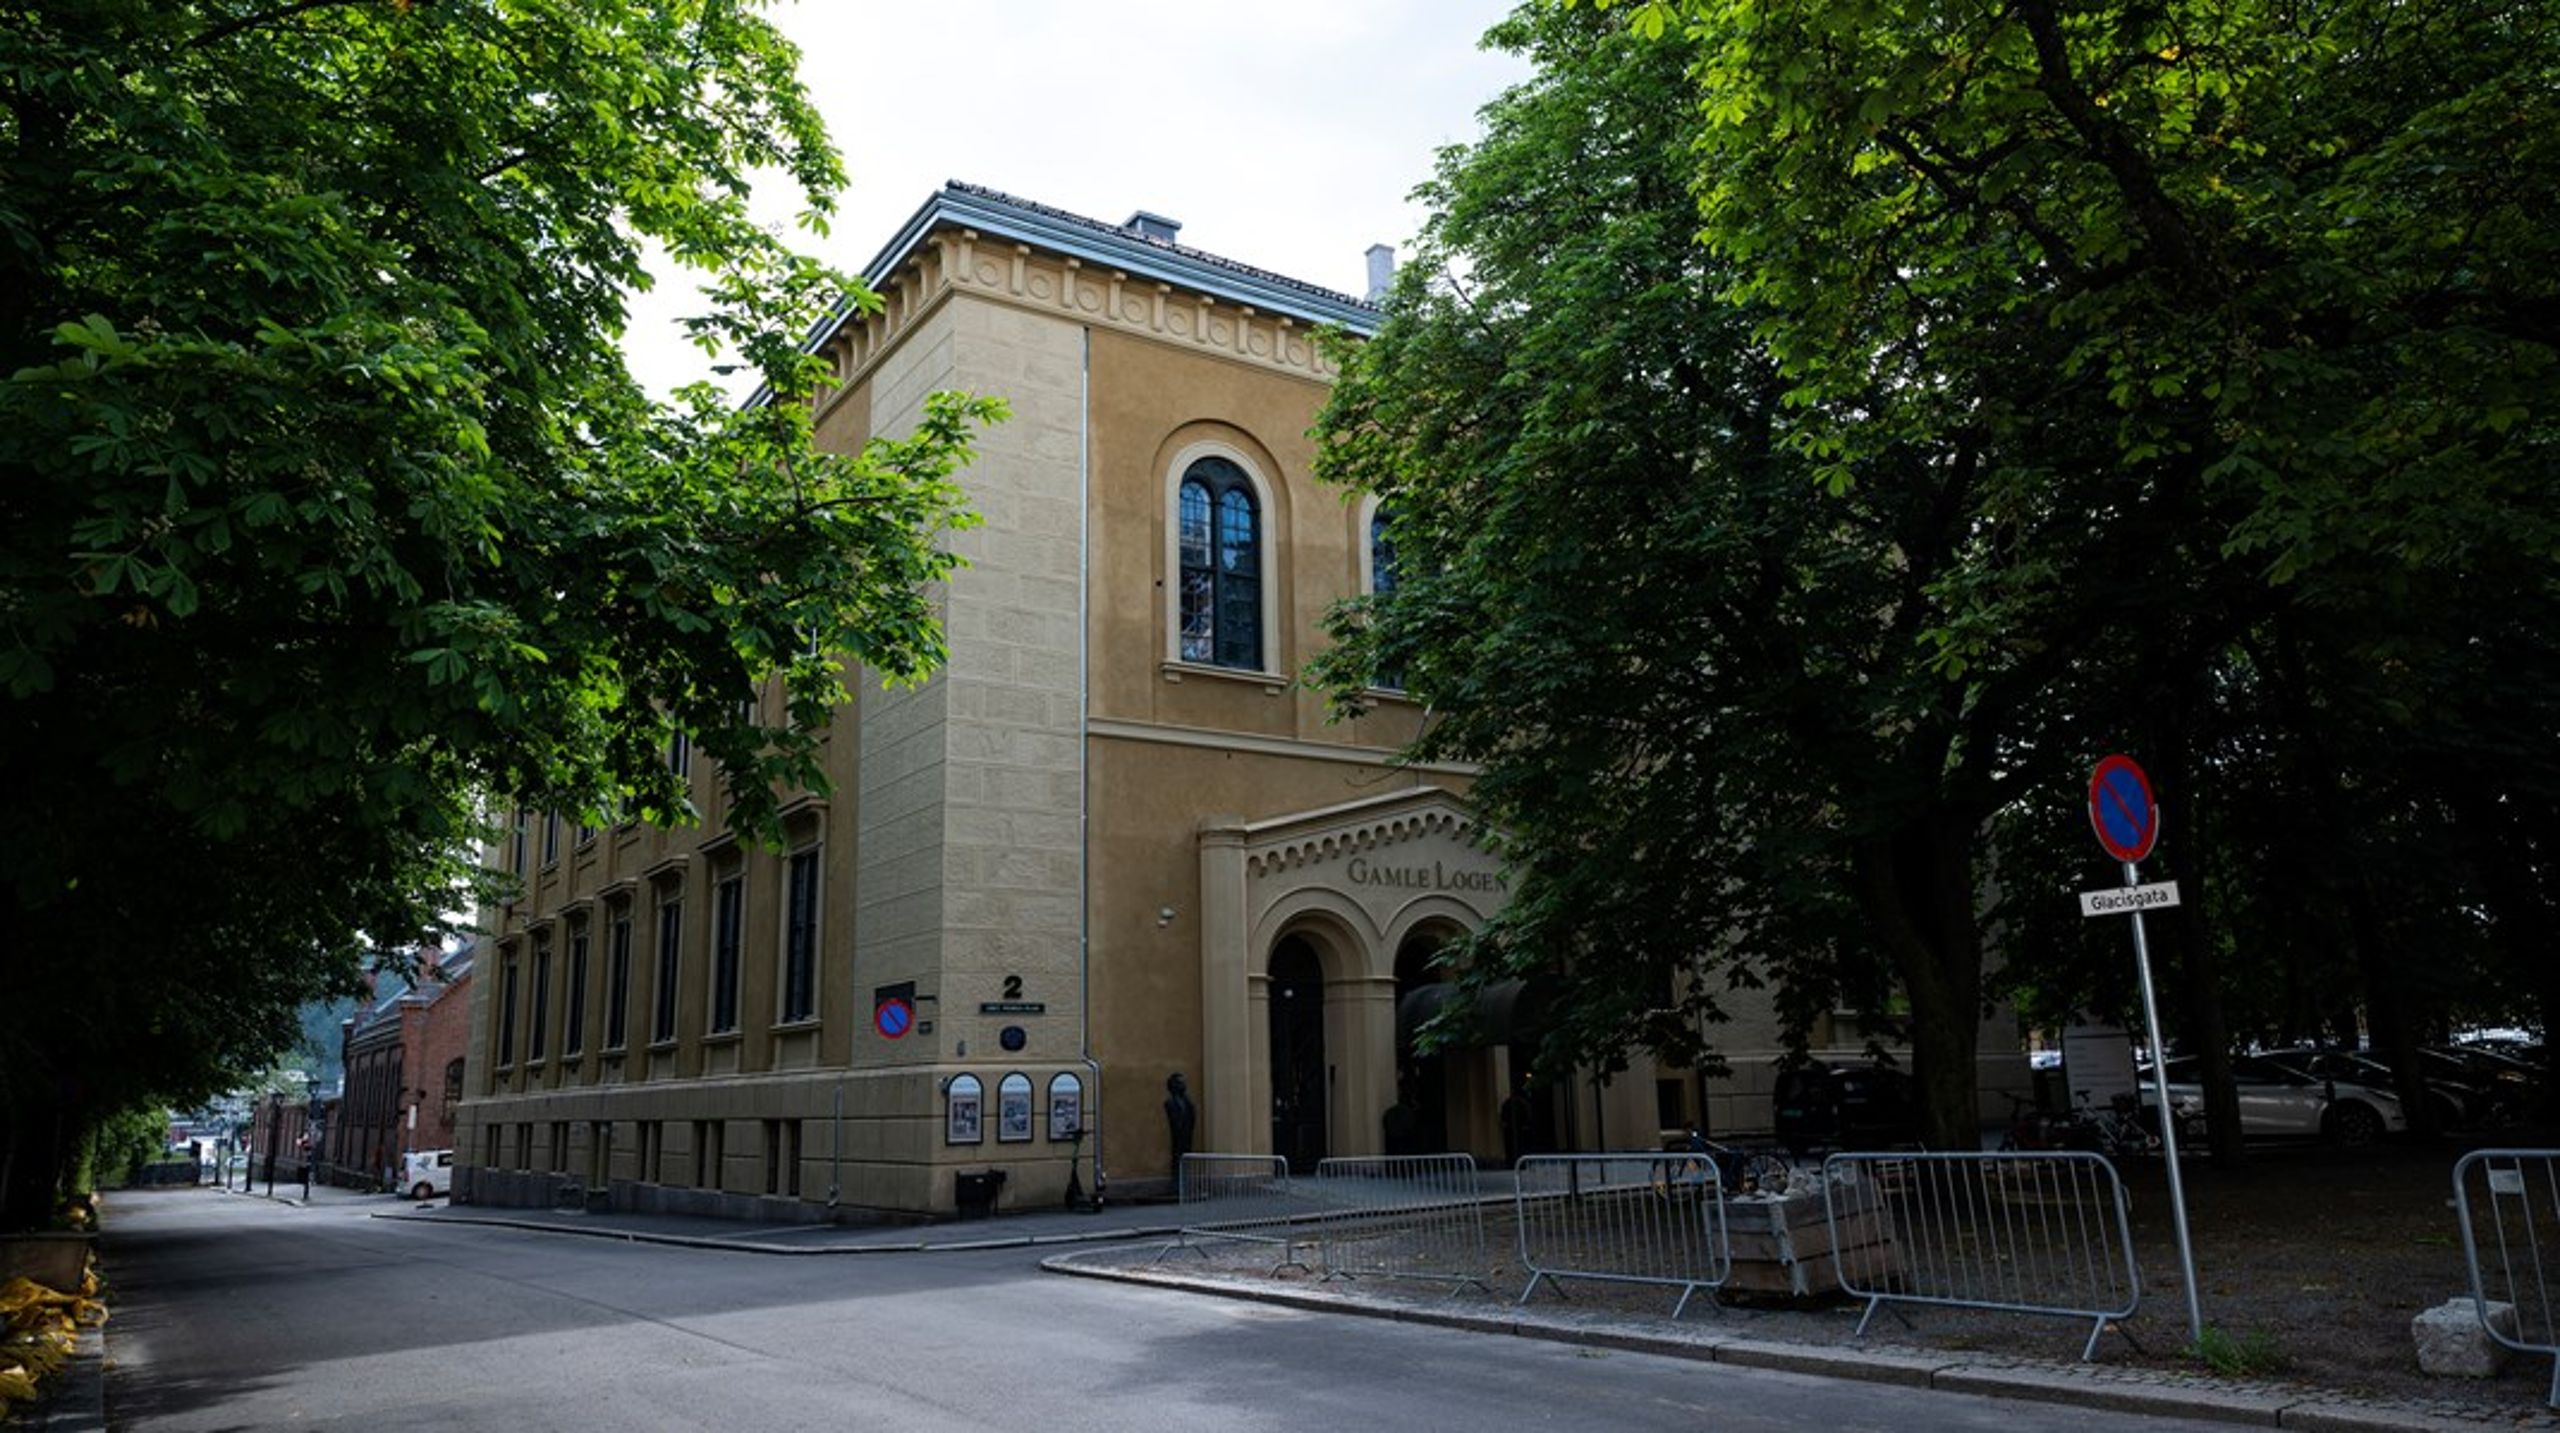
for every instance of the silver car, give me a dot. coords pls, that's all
(2278, 1101)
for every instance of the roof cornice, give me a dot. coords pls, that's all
(1001, 216)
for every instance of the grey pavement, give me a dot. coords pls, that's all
(2172, 1397)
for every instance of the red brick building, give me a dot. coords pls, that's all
(404, 1059)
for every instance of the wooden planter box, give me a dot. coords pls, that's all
(1783, 1246)
(57, 1261)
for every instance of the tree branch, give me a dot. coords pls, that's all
(229, 28)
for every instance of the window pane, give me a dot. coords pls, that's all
(1382, 555)
(1195, 525)
(800, 955)
(1239, 621)
(670, 930)
(1236, 546)
(507, 1014)
(538, 1041)
(617, 999)
(724, 955)
(574, 1037)
(1199, 623)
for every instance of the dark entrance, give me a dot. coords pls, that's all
(1298, 1073)
(1422, 1081)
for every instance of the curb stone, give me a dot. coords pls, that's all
(2071, 1385)
(2042, 1387)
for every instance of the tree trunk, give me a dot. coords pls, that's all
(1917, 886)
(2196, 970)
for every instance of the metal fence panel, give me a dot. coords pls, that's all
(2509, 1204)
(1238, 1198)
(1408, 1216)
(1623, 1218)
(2041, 1233)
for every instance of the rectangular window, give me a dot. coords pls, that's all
(524, 1146)
(706, 1153)
(617, 984)
(559, 1146)
(653, 1146)
(550, 838)
(536, 1040)
(522, 841)
(800, 941)
(573, 1037)
(773, 1156)
(726, 912)
(489, 1147)
(507, 1013)
(679, 754)
(662, 1025)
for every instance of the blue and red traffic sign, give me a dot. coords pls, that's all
(2122, 810)
(893, 1018)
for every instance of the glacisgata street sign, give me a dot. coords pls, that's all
(2124, 900)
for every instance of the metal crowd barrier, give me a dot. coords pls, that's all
(2041, 1233)
(1623, 1218)
(2513, 1251)
(1406, 1216)
(1238, 1199)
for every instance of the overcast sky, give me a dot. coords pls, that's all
(1282, 136)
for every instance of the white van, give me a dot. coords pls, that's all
(427, 1173)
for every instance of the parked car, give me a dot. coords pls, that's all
(1822, 1106)
(2459, 1103)
(427, 1174)
(2514, 1084)
(2279, 1101)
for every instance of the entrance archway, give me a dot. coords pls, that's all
(1422, 1080)
(1299, 1074)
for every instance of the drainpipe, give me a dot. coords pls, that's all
(1084, 762)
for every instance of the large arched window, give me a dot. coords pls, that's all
(1221, 556)
(1382, 580)
(1382, 554)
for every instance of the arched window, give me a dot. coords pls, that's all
(1221, 555)
(1382, 580)
(1382, 554)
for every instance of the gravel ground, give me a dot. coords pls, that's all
(2311, 1262)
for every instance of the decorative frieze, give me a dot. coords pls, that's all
(958, 260)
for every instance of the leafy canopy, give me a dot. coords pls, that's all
(327, 503)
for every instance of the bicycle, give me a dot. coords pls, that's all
(1737, 1171)
(2115, 1129)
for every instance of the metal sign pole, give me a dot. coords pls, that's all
(2168, 1117)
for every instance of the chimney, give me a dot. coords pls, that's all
(1154, 227)
(1382, 270)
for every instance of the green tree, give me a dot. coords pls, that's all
(1719, 750)
(327, 503)
(2297, 258)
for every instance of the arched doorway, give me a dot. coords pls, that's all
(1420, 1122)
(1299, 1075)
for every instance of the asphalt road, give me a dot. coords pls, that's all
(235, 1313)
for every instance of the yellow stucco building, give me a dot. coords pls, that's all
(1112, 841)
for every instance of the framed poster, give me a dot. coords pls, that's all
(961, 1102)
(1066, 1106)
(1013, 1108)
